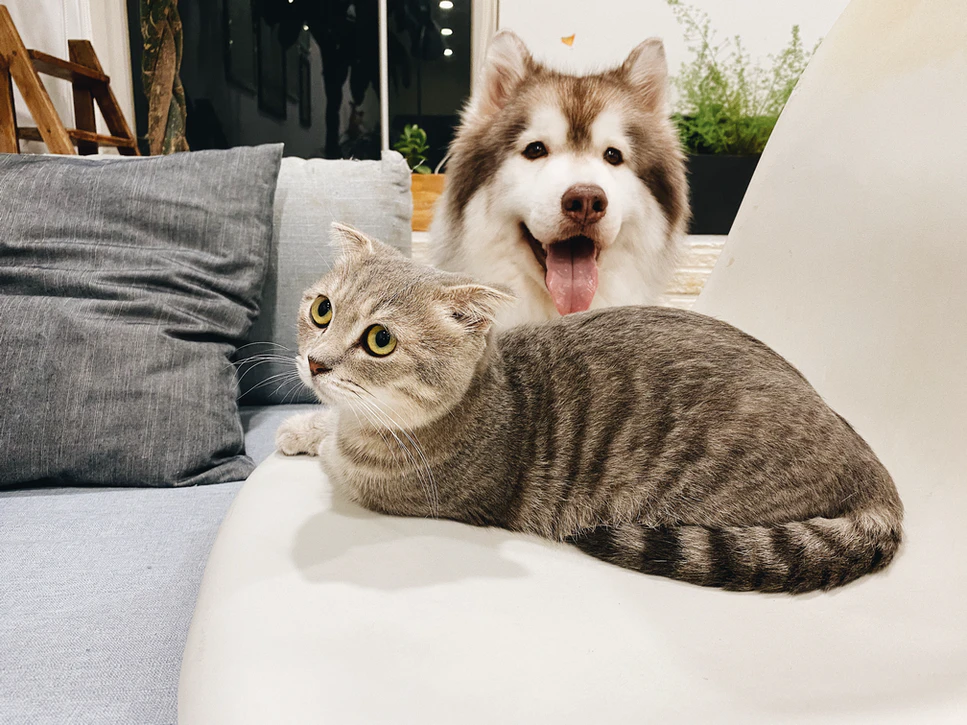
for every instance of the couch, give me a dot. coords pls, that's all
(849, 256)
(97, 586)
(846, 257)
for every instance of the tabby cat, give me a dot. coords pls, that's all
(660, 440)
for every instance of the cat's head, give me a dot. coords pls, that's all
(390, 339)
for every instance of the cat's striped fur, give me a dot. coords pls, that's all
(660, 440)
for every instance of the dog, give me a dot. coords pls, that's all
(570, 190)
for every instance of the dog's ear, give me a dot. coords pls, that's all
(647, 70)
(507, 64)
(476, 305)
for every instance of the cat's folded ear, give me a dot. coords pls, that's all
(349, 241)
(476, 305)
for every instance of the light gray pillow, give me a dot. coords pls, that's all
(125, 286)
(373, 196)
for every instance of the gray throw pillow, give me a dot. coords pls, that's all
(125, 287)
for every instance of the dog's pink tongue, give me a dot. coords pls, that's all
(572, 275)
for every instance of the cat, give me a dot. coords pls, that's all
(657, 439)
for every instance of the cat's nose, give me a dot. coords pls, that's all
(317, 368)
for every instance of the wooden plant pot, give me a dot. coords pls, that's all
(426, 189)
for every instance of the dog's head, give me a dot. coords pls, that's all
(575, 164)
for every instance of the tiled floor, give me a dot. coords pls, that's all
(699, 254)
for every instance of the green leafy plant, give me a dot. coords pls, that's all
(726, 103)
(412, 144)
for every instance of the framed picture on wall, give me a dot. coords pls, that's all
(271, 71)
(305, 90)
(238, 32)
(292, 72)
(301, 47)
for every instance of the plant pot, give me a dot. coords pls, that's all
(717, 184)
(426, 189)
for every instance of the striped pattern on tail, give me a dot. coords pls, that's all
(794, 557)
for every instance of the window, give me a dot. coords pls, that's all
(307, 72)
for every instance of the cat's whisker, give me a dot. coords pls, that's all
(265, 356)
(257, 362)
(275, 392)
(268, 381)
(234, 364)
(294, 391)
(239, 378)
(264, 342)
(287, 373)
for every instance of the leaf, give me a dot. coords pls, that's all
(412, 144)
(727, 104)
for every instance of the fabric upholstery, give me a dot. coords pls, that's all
(125, 286)
(373, 196)
(98, 590)
(98, 587)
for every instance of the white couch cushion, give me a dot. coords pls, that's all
(313, 610)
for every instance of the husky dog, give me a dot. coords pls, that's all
(568, 189)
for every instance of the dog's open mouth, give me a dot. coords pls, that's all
(570, 270)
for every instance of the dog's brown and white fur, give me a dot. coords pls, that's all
(569, 189)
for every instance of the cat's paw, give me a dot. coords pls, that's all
(302, 434)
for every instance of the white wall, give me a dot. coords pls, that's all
(606, 30)
(47, 25)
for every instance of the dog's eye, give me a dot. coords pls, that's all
(321, 311)
(613, 156)
(535, 150)
(379, 341)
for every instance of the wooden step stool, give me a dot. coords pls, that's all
(21, 66)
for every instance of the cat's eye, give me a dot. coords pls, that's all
(321, 311)
(379, 341)
(613, 156)
(535, 150)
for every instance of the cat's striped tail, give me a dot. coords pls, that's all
(794, 557)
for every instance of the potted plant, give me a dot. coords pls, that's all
(426, 186)
(726, 109)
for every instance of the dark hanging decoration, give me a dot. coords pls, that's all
(160, 65)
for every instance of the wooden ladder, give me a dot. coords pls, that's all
(21, 66)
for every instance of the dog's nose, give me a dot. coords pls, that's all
(584, 203)
(317, 368)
